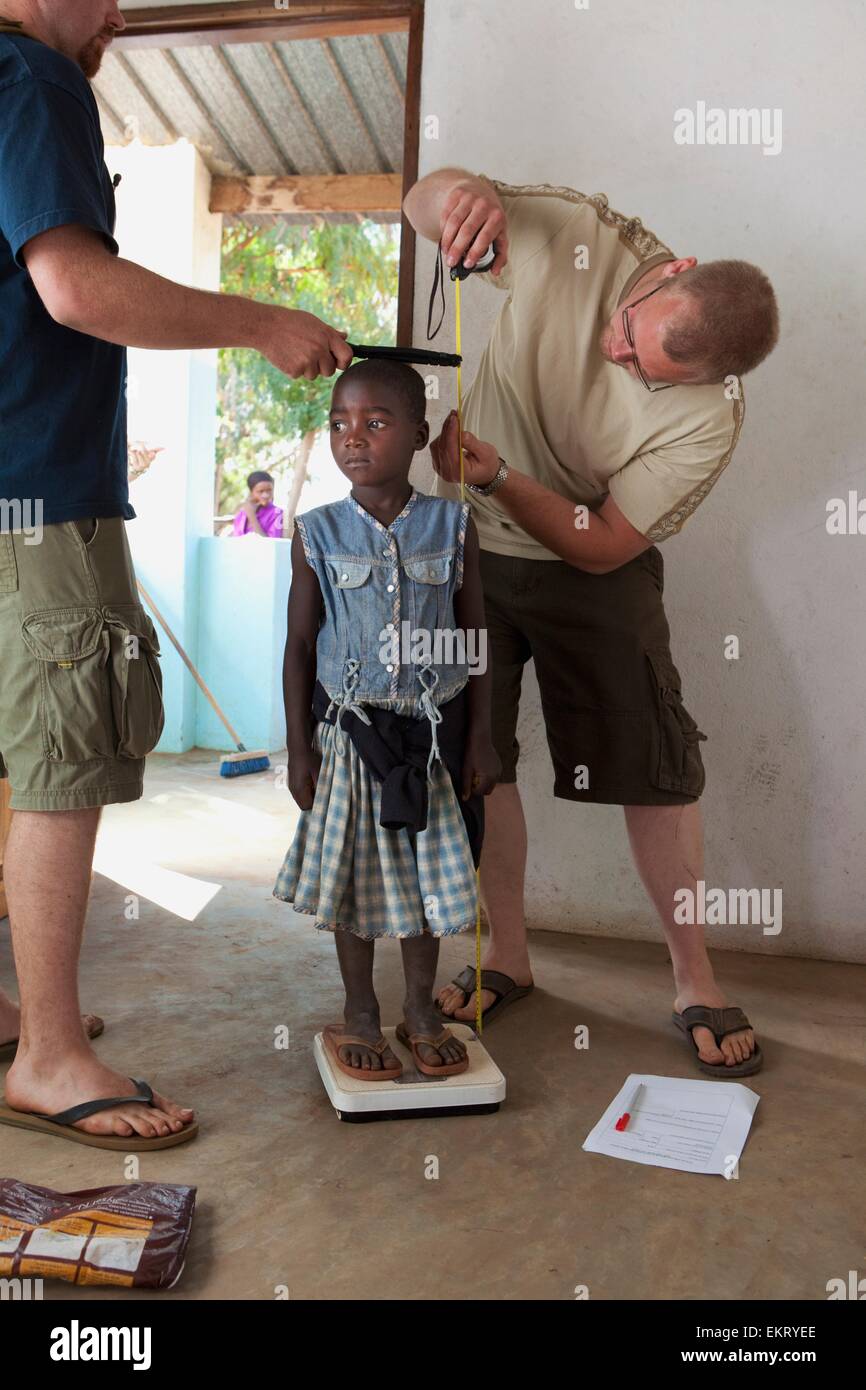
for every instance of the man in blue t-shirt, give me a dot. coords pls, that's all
(77, 714)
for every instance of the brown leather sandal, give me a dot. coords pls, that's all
(335, 1037)
(720, 1022)
(412, 1040)
(505, 989)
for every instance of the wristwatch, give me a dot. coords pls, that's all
(495, 482)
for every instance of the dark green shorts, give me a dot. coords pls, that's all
(80, 681)
(611, 696)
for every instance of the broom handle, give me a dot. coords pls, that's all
(183, 656)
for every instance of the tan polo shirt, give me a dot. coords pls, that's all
(555, 408)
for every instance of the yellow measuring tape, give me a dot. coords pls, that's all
(458, 350)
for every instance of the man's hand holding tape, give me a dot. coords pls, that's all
(604, 540)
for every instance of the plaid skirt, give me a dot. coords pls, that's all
(348, 871)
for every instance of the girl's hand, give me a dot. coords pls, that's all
(481, 767)
(480, 460)
(304, 765)
(251, 506)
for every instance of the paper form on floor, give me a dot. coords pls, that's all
(694, 1126)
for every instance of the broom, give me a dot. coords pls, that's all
(232, 764)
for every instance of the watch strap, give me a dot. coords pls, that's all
(487, 489)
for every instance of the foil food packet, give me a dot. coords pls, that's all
(133, 1236)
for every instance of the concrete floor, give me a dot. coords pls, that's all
(289, 1196)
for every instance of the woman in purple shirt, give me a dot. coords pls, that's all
(258, 513)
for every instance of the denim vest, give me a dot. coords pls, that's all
(381, 584)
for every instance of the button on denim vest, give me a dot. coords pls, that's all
(381, 584)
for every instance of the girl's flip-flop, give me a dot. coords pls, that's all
(335, 1038)
(93, 1027)
(413, 1040)
(720, 1022)
(61, 1125)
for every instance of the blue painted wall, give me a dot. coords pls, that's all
(243, 591)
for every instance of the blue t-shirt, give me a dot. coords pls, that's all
(62, 393)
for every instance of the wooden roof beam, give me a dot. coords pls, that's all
(245, 22)
(313, 193)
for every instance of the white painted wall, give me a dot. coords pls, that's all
(546, 92)
(163, 223)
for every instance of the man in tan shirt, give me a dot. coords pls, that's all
(607, 403)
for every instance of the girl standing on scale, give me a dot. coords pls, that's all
(388, 739)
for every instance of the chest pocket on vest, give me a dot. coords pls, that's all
(355, 617)
(435, 571)
(348, 574)
(430, 590)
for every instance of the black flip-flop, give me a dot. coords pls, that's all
(506, 991)
(720, 1022)
(61, 1124)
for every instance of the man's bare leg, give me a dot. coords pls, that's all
(503, 874)
(47, 867)
(9, 1018)
(668, 848)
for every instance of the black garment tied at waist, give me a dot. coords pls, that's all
(395, 748)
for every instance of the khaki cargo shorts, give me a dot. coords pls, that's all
(80, 680)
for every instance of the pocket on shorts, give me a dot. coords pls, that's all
(676, 763)
(100, 681)
(72, 650)
(136, 679)
(8, 565)
(652, 558)
(87, 527)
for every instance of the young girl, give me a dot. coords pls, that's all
(388, 738)
(258, 512)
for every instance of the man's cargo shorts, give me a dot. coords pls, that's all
(611, 696)
(80, 681)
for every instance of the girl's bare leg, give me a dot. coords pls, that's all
(362, 1007)
(420, 956)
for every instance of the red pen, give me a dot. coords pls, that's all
(622, 1122)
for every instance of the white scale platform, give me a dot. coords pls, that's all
(480, 1090)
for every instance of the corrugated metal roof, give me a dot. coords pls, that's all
(305, 106)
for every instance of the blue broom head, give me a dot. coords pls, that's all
(233, 766)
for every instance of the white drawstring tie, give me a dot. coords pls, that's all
(345, 701)
(432, 711)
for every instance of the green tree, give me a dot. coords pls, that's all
(343, 273)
